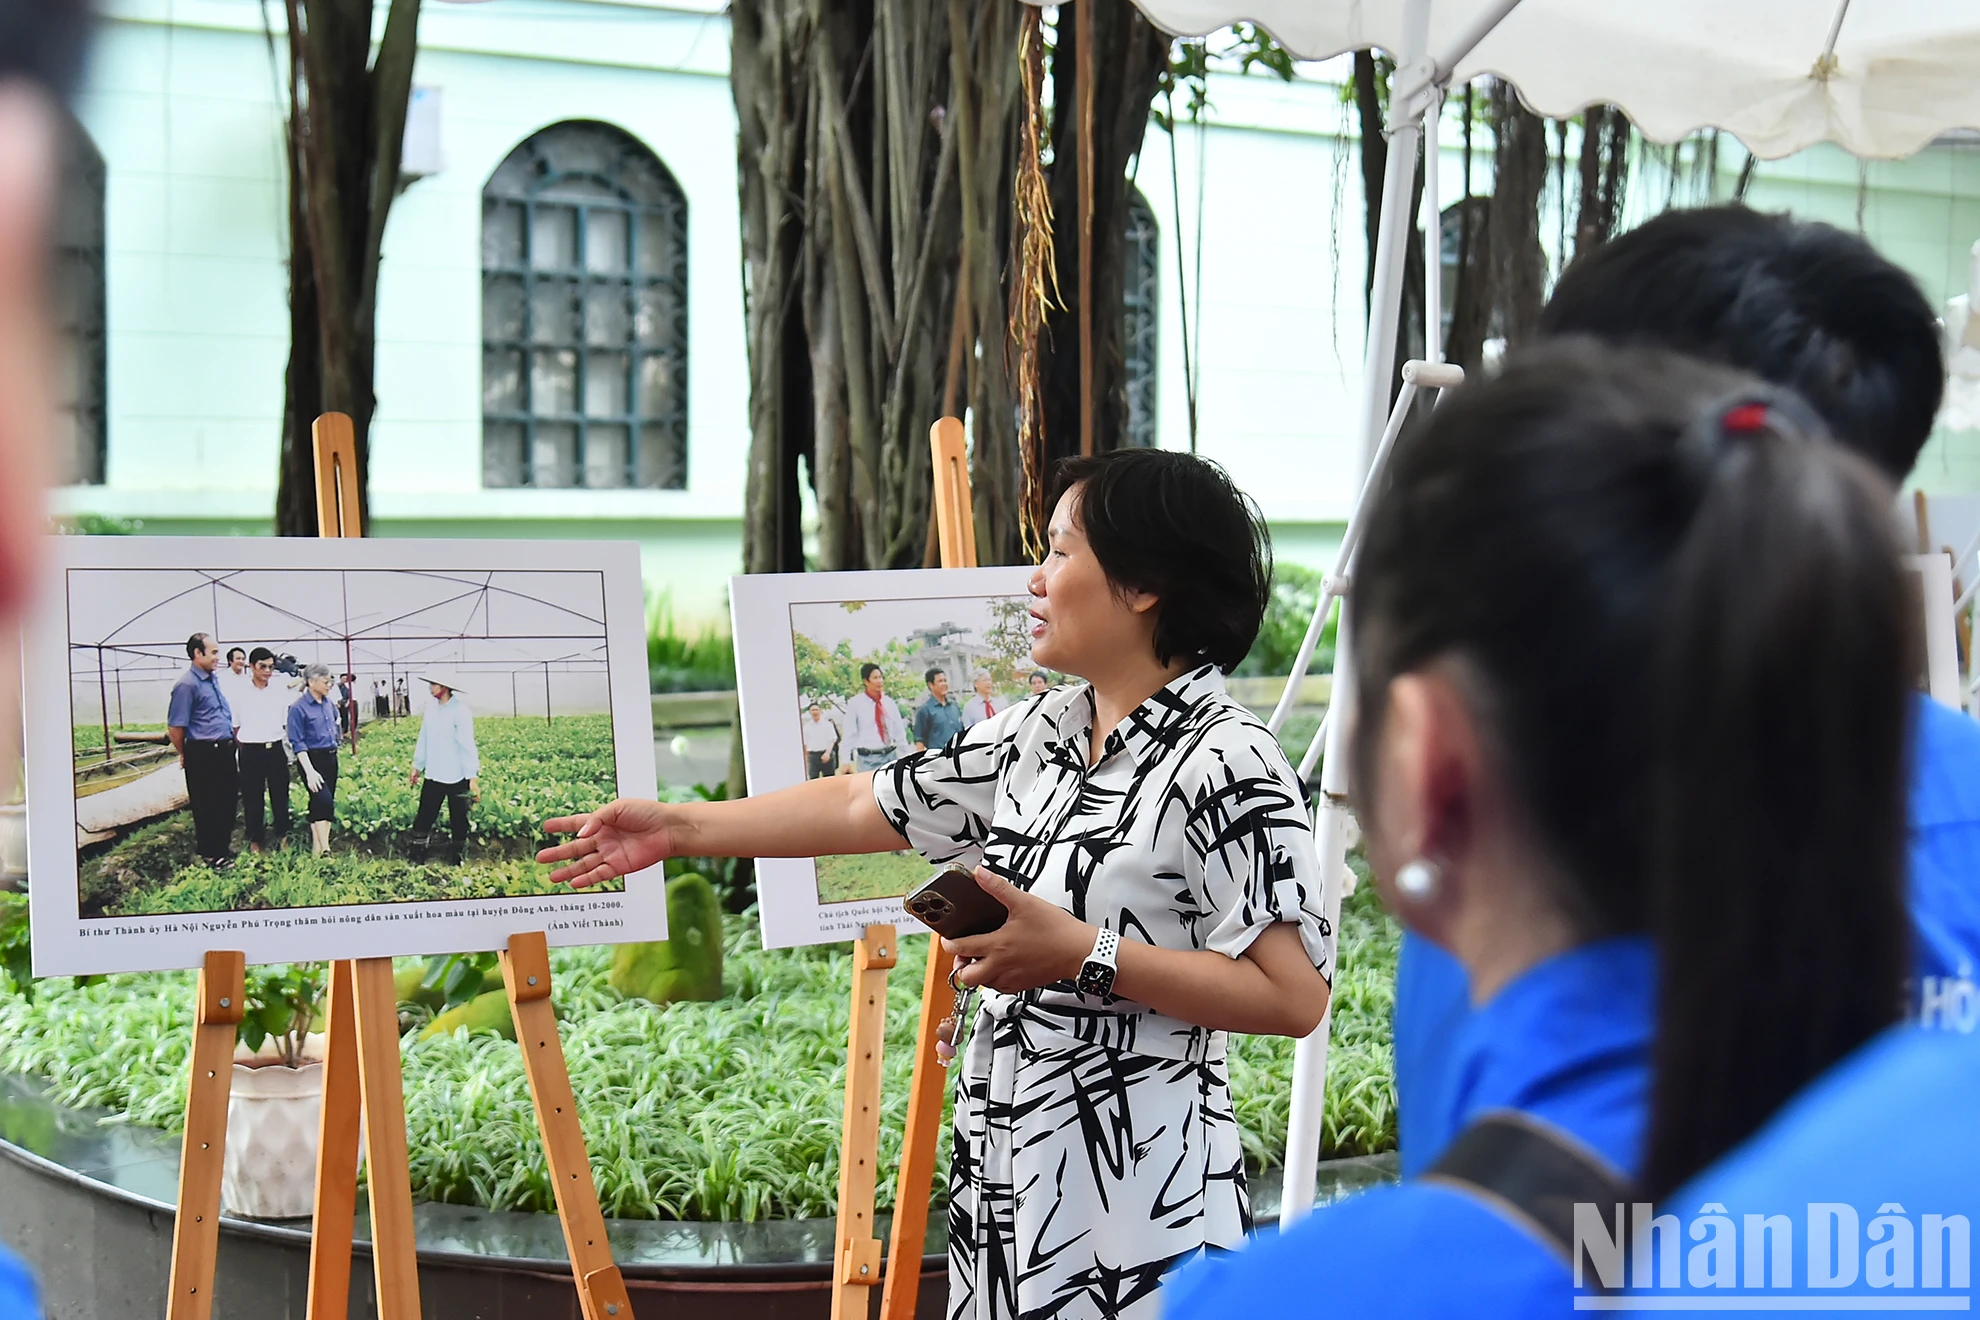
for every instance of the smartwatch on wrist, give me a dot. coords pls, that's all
(1096, 977)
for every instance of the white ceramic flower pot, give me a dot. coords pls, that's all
(272, 1134)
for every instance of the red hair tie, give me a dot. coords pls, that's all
(1745, 419)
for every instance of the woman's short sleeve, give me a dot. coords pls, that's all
(941, 800)
(1249, 829)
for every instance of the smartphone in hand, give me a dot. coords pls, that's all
(954, 906)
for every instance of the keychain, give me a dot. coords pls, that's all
(950, 1027)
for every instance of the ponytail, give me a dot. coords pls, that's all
(1692, 650)
(1781, 689)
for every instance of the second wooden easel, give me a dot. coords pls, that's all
(858, 1262)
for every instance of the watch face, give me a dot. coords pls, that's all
(1096, 979)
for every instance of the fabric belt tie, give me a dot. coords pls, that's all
(1050, 1026)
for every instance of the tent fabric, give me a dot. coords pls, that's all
(1904, 71)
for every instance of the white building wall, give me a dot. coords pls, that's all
(184, 100)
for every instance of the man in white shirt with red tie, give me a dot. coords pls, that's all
(877, 733)
(981, 706)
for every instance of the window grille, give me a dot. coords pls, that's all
(584, 315)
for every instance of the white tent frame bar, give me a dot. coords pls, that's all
(1416, 103)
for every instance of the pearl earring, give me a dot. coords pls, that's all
(1417, 879)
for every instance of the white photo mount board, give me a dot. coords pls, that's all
(604, 615)
(773, 756)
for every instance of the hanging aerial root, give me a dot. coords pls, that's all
(1034, 287)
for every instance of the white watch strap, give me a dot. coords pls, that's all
(1106, 949)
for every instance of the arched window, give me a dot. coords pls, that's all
(583, 314)
(76, 295)
(1141, 283)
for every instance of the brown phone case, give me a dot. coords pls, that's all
(954, 906)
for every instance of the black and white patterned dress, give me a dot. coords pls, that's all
(1095, 1144)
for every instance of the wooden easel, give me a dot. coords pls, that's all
(857, 1266)
(362, 1083)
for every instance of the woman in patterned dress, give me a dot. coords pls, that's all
(1142, 818)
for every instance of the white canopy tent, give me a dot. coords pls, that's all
(1878, 79)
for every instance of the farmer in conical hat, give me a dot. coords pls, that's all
(446, 757)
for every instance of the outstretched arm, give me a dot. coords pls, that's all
(815, 819)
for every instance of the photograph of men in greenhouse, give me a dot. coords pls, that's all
(446, 757)
(293, 796)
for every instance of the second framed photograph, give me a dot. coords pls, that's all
(845, 672)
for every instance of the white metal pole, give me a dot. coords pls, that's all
(1309, 1084)
(1433, 232)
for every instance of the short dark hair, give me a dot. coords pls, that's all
(1796, 302)
(233, 651)
(197, 643)
(258, 654)
(1177, 527)
(867, 670)
(934, 673)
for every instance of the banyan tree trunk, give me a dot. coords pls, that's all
(872, 152)
(344, 131)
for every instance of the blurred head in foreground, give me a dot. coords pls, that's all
(1795, 302)
(1637, 656)
(41, 48)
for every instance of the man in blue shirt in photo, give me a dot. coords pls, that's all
(938, 718)
(202, 730)
(1819, 311)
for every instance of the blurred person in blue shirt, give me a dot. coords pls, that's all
(446, 757)
(1819, 311)
(1860, 1194)
(1675, 909)
(313, 737)
(41, 50)
(200, 721)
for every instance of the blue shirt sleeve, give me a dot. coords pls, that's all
(1433, 1004)
(296, 724)
(18, 1299)
(178, 710)
(1366, 1255)
(1943, 886)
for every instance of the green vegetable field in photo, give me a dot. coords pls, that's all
(531, 769)
(872, 875)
